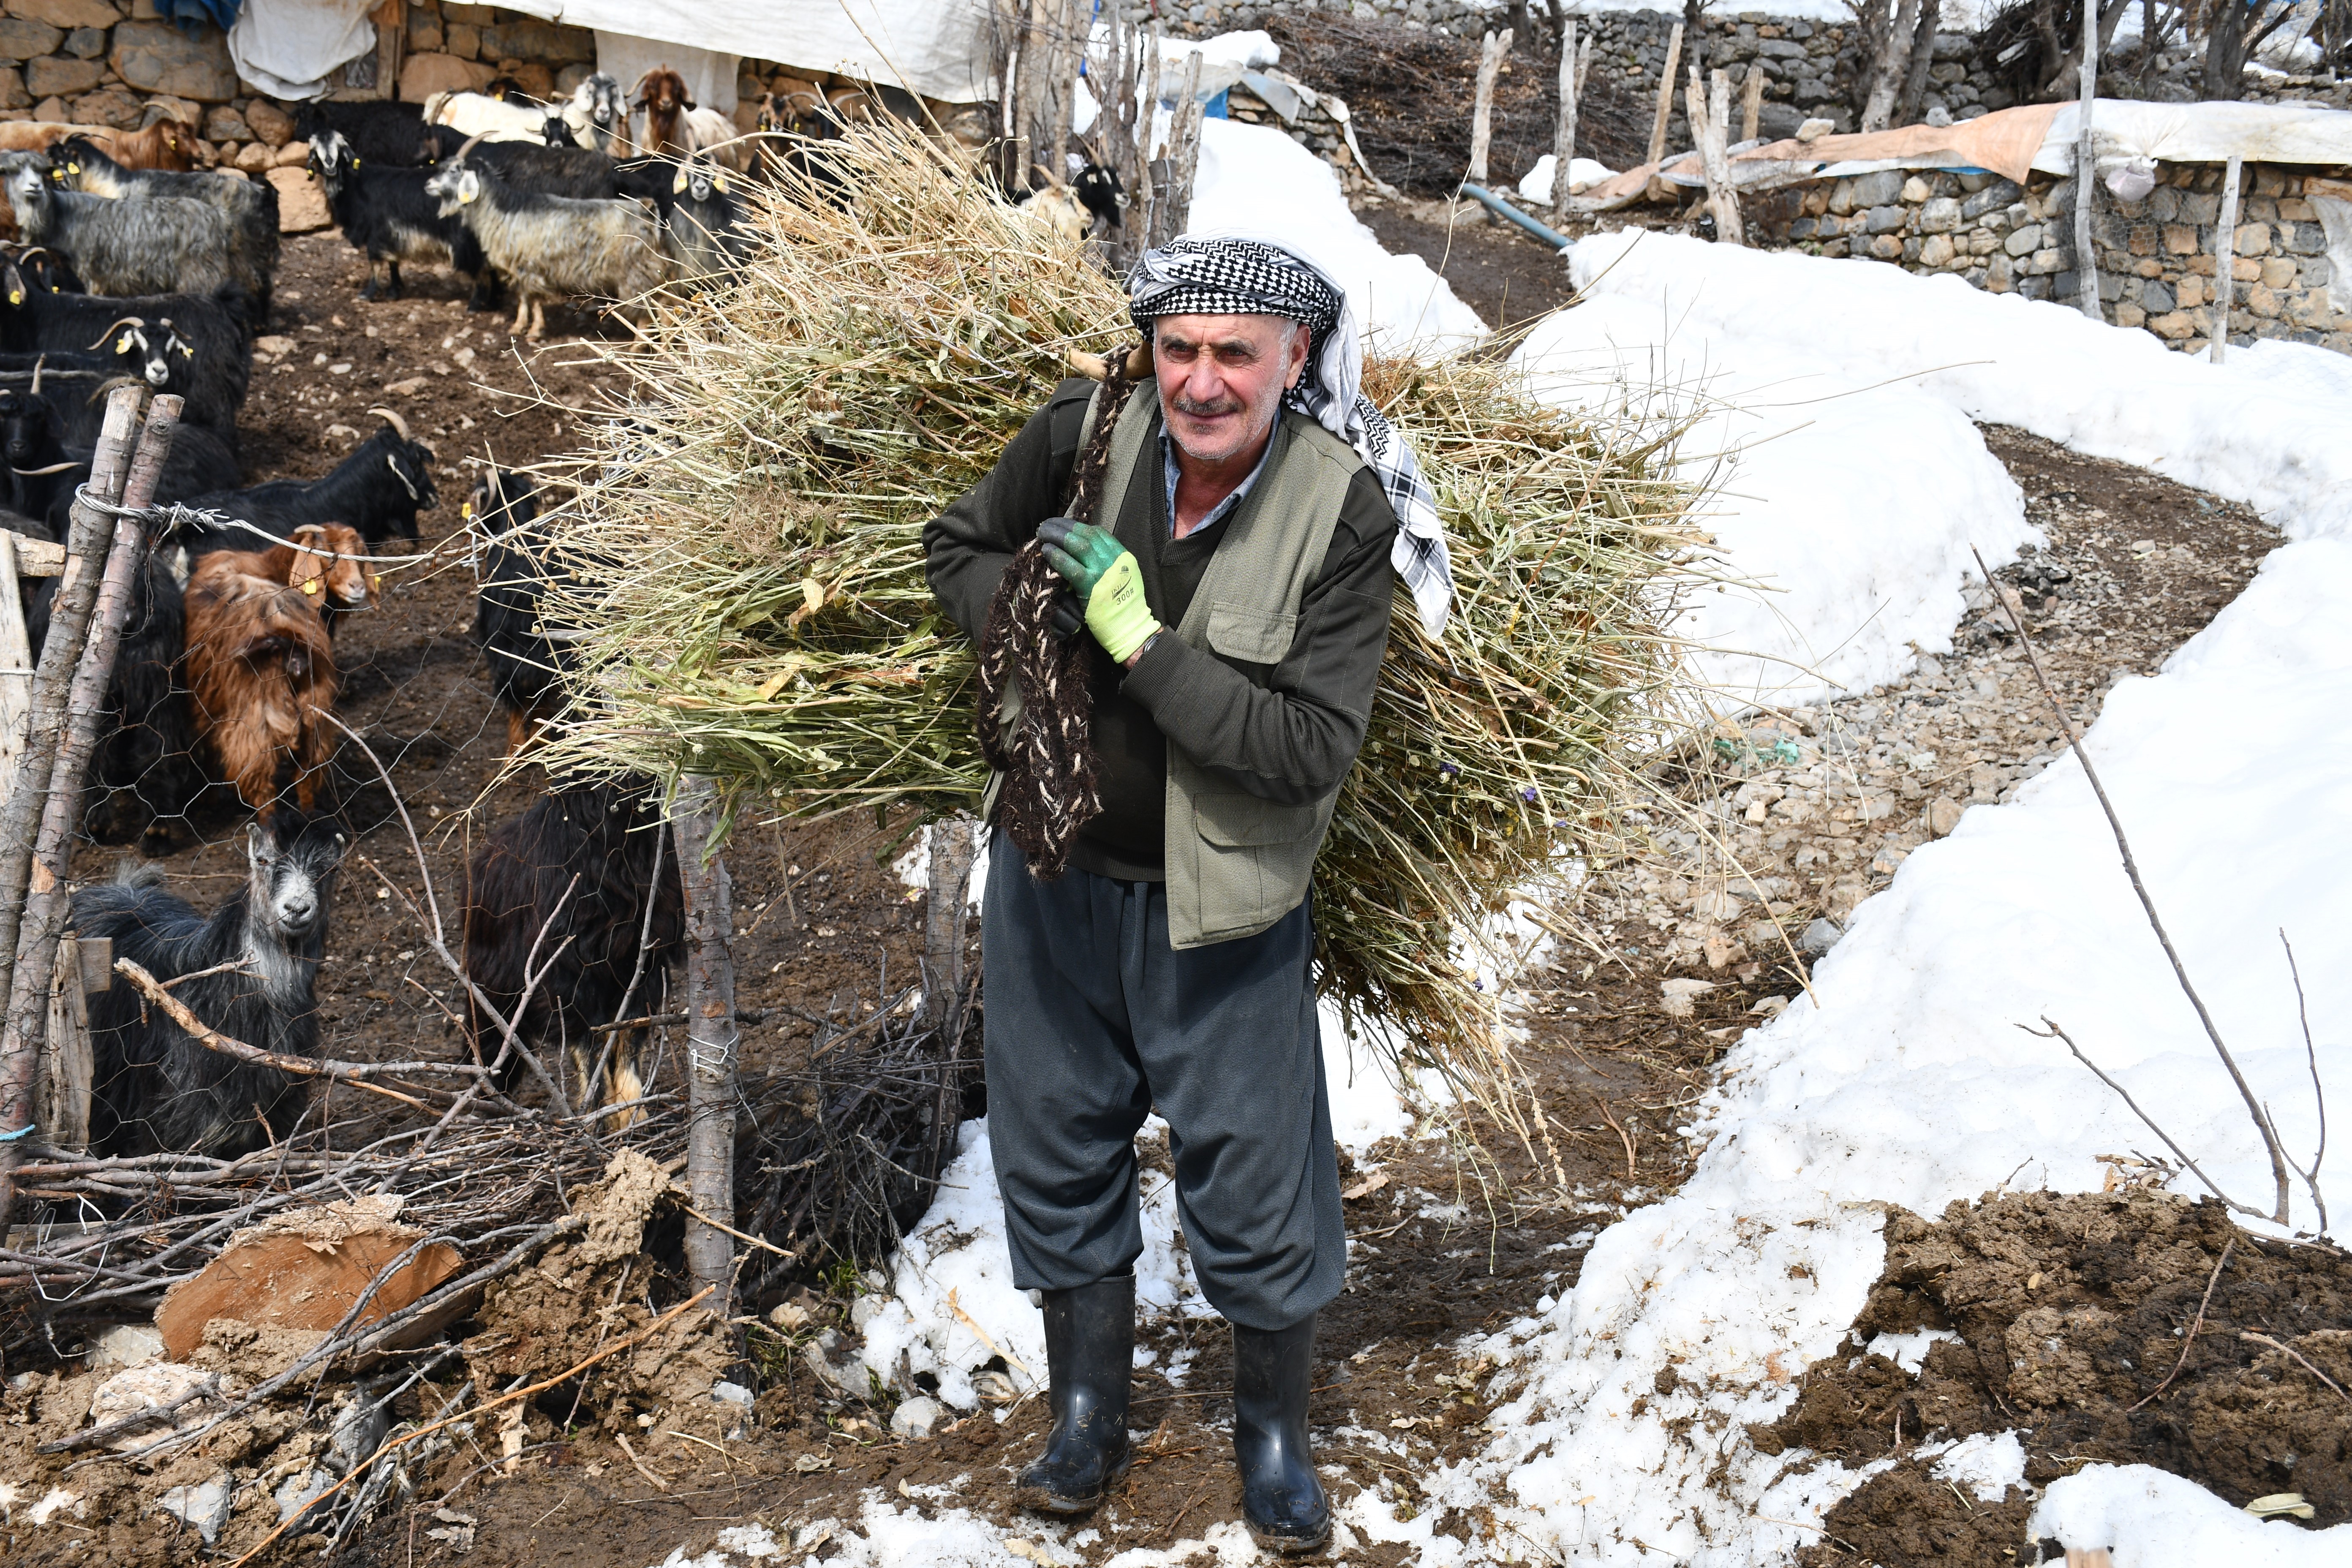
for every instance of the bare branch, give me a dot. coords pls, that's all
(2219, 1264)
(2318, 1092)
(2125, 1095)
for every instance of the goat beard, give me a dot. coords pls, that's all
(1053, 783)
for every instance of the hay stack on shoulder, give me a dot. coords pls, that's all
(747, 549)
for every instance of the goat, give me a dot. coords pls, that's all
(1052, 208)
(572, 172)
(40, 135)
(377, 491)
(490, 119)
(148, 247)
(47, 270)
(661, 95)
(163, 144)
(597, 114)
(588, 876)
(199, 463)
(75, 399)
(325, 564)
(381, 134)
(211, 389)
(261, 670)
(251, 205)
(1098, 190)
(158, 1090)
(218, 328)
(144, 775)
(387, 217)
(527, 665)
(701, 225)
(552, 247)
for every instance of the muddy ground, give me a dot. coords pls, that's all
(1453, 1233)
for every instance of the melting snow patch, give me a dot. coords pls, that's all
(1908, 1351)
(2145, 1518)
(1988, 1464)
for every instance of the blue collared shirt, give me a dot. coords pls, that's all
(1223, 508)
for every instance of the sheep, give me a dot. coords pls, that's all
(377, 491)
(148, 247)
(574, 875)
(157, 1091)
(143, 777)
(382, 135)
(261, 671)
(552, 247)
(527, 665)
(387, 217)
(251, 205)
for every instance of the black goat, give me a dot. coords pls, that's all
(155, 353)
(48, 434)
(77, 398)
(1099, 190)
(384, 212)
(379, 133)
(39, 467)
(551, 171)
(143, 777)
(378, 490)
(199, 463)
(157, 1089)
(48, 272)
(526, 668)
(217, 334)
(586, 874)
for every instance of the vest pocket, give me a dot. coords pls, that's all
(1250, 852)
(1252, 636)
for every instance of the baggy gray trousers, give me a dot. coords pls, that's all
(1092, 1022)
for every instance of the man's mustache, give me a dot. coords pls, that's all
(1199, 410)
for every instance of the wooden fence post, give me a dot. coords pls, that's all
(951, 850)
(15, 667)
(1575, 60)
(2087, 171)
(1751, 103)
(1175, 209)
(1710, 118)
(2225, 263)
(1667, 96)
(712, 1039)
(1491, 50)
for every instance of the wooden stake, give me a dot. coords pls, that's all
(1141, 210)
(1184, 156)
(1710, 118)
(62, 1107)
(1751, 107)
(2086, 261)
(712, 1039)
(2225, 263)
(15, 666)
(1575, 60)
(1665, 95)
(1491, 51)
(950, 880)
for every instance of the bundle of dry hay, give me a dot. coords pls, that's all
(748, 568)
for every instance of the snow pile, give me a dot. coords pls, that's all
(1535, 185)
(2233, 428)
(1845, 509)
(1258, 182)
(2148, 1518)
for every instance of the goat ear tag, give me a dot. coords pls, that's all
(469, 186)
(719, 184)
(15, 296)
(122, 345)
(311, 587)
(678, 185)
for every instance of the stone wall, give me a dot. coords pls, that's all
(2156, 258)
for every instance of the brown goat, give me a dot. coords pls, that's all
(661, 94)
(261, 670)
(166, 144)
(325, 564)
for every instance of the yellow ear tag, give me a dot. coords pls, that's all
(312, 586)
(678, 185)
(73, 168)
(122, 345)
(465, 513)
(15, 296)
(720, 183)
(187, 352)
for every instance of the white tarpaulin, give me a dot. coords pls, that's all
(936, 47)
(710, 76)
(2199, 133)
(291, 48)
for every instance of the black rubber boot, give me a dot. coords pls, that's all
(1089, 1356)
(1281, 1497)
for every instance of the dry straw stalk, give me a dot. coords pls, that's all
(750, 588)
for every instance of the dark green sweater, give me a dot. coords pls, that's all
(1290, 740)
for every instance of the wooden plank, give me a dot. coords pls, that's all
(62, 1103)
(96, 964)
(36, 557)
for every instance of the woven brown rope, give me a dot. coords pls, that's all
(1052, 785)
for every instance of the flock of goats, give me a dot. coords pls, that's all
(227, 676)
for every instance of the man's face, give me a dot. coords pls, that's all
(1221, 379)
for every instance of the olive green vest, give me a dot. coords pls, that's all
(1235, 863)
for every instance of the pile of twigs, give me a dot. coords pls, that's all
(744, 555)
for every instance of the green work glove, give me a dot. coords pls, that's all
(1104, 573)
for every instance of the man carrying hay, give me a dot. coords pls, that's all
(1236, 577)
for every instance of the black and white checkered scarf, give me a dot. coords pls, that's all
(1241, 276)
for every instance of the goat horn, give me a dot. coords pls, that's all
(38, 365)
(471, 143)
(120, 321)
(52, 468)
(395, 420)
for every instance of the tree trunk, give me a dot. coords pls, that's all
(2225, 263)
(1907, 104)
(949, 877)
(1491, 51)
(1886, 70)
(1575, 60)
(2086, 171)
(711, 1039)
(1665, 95)
(1710, 118)
(1184, 157)
(2225, 52)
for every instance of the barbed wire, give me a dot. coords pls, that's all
(166, 518)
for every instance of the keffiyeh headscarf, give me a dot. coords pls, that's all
(1189, 277)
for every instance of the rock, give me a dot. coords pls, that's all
(191, 115)
(424, 75)
(527, 38)
(293, 155)
(222, 123)
(301, 205)
(534, 79)
(21, 39)
(156, 57)
(109, 106)
(52, 111)
(253, 158)
(1677, 997)
(733, 1393)
(1717, 906)
(269, 124)
(205, 1506)
(53, 76)
(1820, 937)
(408, 387)
(151, 1387)
(65, 14)
(12, 89)
(297, 1492)
(124, 1345)
(85, 43)
(462, 40)
(918, 1418)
